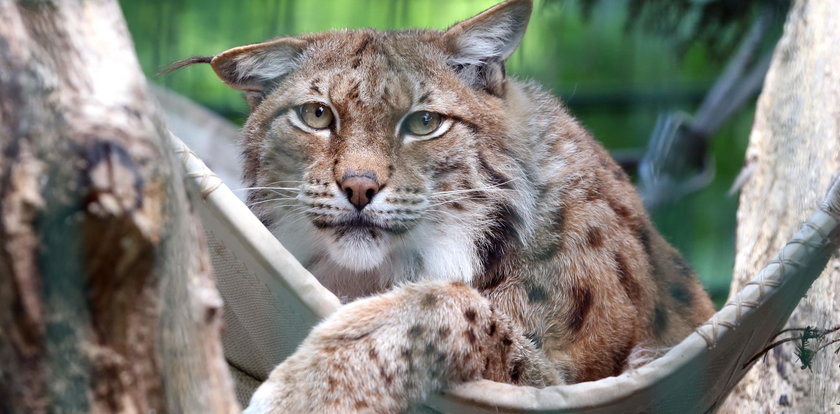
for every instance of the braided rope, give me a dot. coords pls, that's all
(779, 269)
(816, 229)
(206, 179)
(768, 279)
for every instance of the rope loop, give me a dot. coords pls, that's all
(208, 181)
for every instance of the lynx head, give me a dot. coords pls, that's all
(368, 149)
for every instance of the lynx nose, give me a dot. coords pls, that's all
(359, 189)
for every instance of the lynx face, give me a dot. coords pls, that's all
(369, 183)
(377, 153)
(382, 157)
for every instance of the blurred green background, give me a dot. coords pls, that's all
(616, 76)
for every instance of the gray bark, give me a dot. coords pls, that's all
(107, 302)
(794, 152)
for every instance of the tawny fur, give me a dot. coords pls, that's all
(378, 355)
(567, 276)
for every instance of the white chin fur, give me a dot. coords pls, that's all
(262, 400)
(357, 253)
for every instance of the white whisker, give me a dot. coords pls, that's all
(432, 218)
(267, 188)
(270, 200)
(494, 187)
(440, 203)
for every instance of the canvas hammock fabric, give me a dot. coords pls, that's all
(272, 302)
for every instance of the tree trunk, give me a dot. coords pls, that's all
(793, 154)
(107, 302)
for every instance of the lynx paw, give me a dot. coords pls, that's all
(381, 353)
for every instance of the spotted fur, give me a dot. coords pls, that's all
(511, 247)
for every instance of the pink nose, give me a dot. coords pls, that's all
(359, 189)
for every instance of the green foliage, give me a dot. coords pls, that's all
(715, 24)
(615, 76)
(803, 349)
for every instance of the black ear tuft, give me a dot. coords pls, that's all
(184, 62)
(257, 68)
(254, 69)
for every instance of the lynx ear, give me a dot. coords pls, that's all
(479, 46)
(256, 69)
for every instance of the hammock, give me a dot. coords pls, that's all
(272, 302)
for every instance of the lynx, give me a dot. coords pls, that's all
(473, 226)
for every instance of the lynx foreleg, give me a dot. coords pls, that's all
(381, 353)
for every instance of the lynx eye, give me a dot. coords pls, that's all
(316, 115)
(422, 123)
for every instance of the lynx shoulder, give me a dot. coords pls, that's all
(491, 235)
